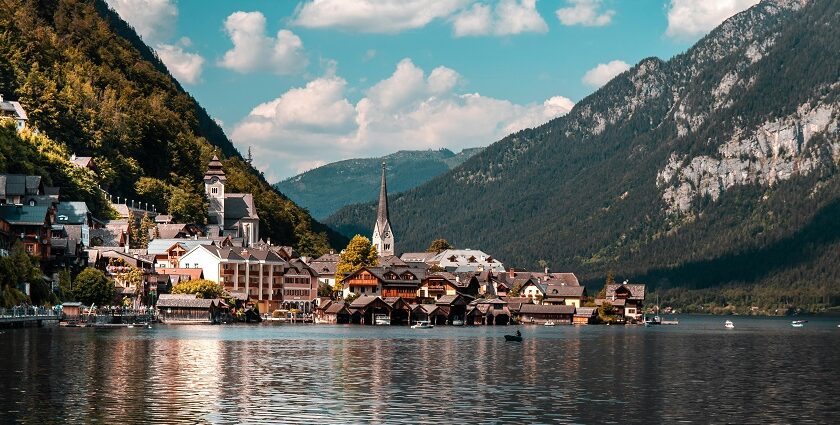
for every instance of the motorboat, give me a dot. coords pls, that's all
(549, 323)
(729, 325)
(798, 323)
(654, 320)
(457, 322)
(422, 325)
(381, 319)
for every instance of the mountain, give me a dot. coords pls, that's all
(327, 188)
(716, 168)
(93, 88)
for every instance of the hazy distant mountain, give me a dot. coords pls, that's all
(716, 167)
(327, 188)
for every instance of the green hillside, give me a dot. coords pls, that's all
(715, 169)
(330, 187)
(91, 87)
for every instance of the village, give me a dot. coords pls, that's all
(258, 281)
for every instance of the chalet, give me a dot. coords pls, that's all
(533, 289)
(188, 308)
(32, 225)
(85, 162)
(20, 189)
(628, 297)
(540, 313)
(384, 281)
(111, 234)
(168, 252)
(11, 110)
(432, 313)
(556, 294)
(418, 259)
(76, 219)
(176, 231)
(438, 284)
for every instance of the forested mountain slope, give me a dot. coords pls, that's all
(717, 167)
(326, 189)
(91, 87)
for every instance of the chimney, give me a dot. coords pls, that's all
(512, 273)
(546, 271)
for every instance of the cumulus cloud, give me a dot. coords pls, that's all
(253, 50)
(584, 12)
(185, 66)
(604, 72)
(411, 109)
(691, 18)
(154, 20)
(507, 18)
(374, 16)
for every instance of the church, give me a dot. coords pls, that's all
(229, 214)
(383, 236)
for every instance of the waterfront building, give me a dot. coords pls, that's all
(384, 281)
(488, 312)
(559, 294)
(627, 298)
(336, 313)
(438, 284)
(383, 235)
(540, 313)
(188, 308)
(456, 306)
(584, 315)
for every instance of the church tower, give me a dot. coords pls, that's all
(214, 186)
(383, 237)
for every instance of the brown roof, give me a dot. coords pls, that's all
(585, 311)
(336, 308)
(546, 309)
(637, 290)
(182, 301)
(616, 302)
(194, 274)
(559, 291)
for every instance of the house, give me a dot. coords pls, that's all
(181, 274)
(584, 315)
(176, 231)
(336, 312)
(559, 294)
(168, 252)
(232, 214)
(533, 289)
(466, 260)
(11, 110)
(541, 313)
(325, 267)
(85, 162)
(384, 281)
(188, 308)
(32, 225)
(628, 298)
(76, 219)
(438, 284)
(20, 189)
(111, 234)
(5, 238)
(300, 285)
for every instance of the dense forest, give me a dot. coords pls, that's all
(330, 187)
(587, 192)
(91, 87)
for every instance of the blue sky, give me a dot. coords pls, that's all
(310, 82)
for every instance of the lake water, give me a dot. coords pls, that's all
(763, 371)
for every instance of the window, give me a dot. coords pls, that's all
(31, 202)
(214, 190)
(30, 248)
(387, 246)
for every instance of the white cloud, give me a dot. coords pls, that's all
(374, 16)
(692, 18)
(507, 18)
(154, 20)
(253, 50)
(604, 72)
(185, 66)
(584, 12)
(407, 110)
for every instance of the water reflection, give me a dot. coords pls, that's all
(764, 372)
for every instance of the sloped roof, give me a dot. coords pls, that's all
(585, 311)
(637, 290)
(239, 206)
(183, 301)
(19, 185)
(193, 274)
(161, 246)
(363, 301)
(558, 291)
(331, 257)
(336, 308)
(169, 231)
(324, 268)
(72, 213)
(418, 257)
(81, 161)
(546, 309)
(24, 215)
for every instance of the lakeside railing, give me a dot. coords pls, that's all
(27, 312)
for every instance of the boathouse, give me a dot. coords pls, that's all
(539, 314)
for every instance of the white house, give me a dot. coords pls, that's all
(12, 110)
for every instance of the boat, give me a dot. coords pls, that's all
(655, 320)
(130, 326)
(729, 325)
(381, 319)
(457, 322)
(514, 338)
(549, 323)
(671, 322)
(798, 323)
(422, 325)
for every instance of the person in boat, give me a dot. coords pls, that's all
(518, 333)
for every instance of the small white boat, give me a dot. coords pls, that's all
(422, 325)
(729, 325)
(382, 319)
(130, 326)
(549, 323)
(457, 322)
(798, 323)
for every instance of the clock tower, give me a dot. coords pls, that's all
(383, 236)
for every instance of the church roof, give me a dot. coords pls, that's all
(237, 207)
(215, 168)
(382, 210)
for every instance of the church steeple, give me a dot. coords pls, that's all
(383, 237)
(214, 187)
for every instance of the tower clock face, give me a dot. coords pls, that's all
(386, 234)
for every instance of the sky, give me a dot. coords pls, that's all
(305, 83)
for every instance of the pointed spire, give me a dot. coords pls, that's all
(215, 168)
(382, 211)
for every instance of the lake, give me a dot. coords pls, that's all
(763, 371)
